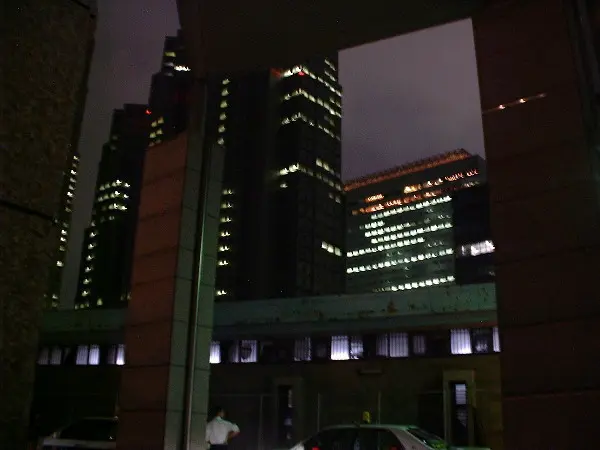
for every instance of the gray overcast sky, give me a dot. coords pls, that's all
(405, 98)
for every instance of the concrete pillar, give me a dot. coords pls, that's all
(543, 172)
(168, 335)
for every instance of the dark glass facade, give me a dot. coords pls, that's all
(282, 213)
(105, 270)
(474, 248)
(400, 223)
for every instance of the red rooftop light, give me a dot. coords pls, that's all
(301, 74)
(148, 112)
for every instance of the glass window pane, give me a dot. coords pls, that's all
(302, 349)
(460, 342)
(94, 355)
(82, 355)
(340, 349)
(56, 356)
(43, 356)
(398, 345)
(496, 339)
(249, 351)
(215, 352)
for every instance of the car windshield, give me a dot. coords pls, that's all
(428, 438)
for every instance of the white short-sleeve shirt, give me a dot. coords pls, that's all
(218, 429)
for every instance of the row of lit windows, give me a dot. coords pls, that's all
(381, 230)
(413, 207)
(330, 64)
(223, 115)
(331, 248)
(82, 355)
(437, 281)
(158, 122)
(439, 181)
(395, 237)
(421, 230)
(462, 341)
(335, 197)
(478, 248)
(392, 263)
(312, 98)
(380, 248)
(115, 183)
(300, 168)
(305, 119)
(346, 347)
(327, 167)
(112, 195)
(302, 70)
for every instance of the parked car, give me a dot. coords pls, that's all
(376, 437)
(92, 433)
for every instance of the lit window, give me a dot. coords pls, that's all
(224, 104)
(44, 356)
(476, 249)
(340, 349)
(215, 352)
(82, 355)
(302, 349)
(87, 281)
(223, 248)
(222, 116)
(244, 351)
(225, 219)
(224, 92)
(221, 292)
(460, 342)
(59, 263)
(496, 339)
(225, 233)
(55, 356)
(99, 302)
(225, 81)
(120, 355)
(94, 355)
(85, 293)
(221, 141)
(392, 345)
(223, 262)
(221, 129)
(419, 344)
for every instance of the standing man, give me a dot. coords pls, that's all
(219, 431)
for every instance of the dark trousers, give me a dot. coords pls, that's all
(218, 446)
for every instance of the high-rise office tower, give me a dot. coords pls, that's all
(63, 220)
(400, 223)
(169, 92)
(105, 270)
(282, 216)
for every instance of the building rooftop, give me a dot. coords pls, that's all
(416, 166)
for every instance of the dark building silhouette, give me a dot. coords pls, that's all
(474, 248)
(400, 223)
(105, 269)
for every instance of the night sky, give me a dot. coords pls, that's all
(404, 98)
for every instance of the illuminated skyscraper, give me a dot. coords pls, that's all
(400, 223)
(105, 270)
(63, 219)
(282, 216)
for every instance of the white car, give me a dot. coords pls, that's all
(376, 437)
(93, 433)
